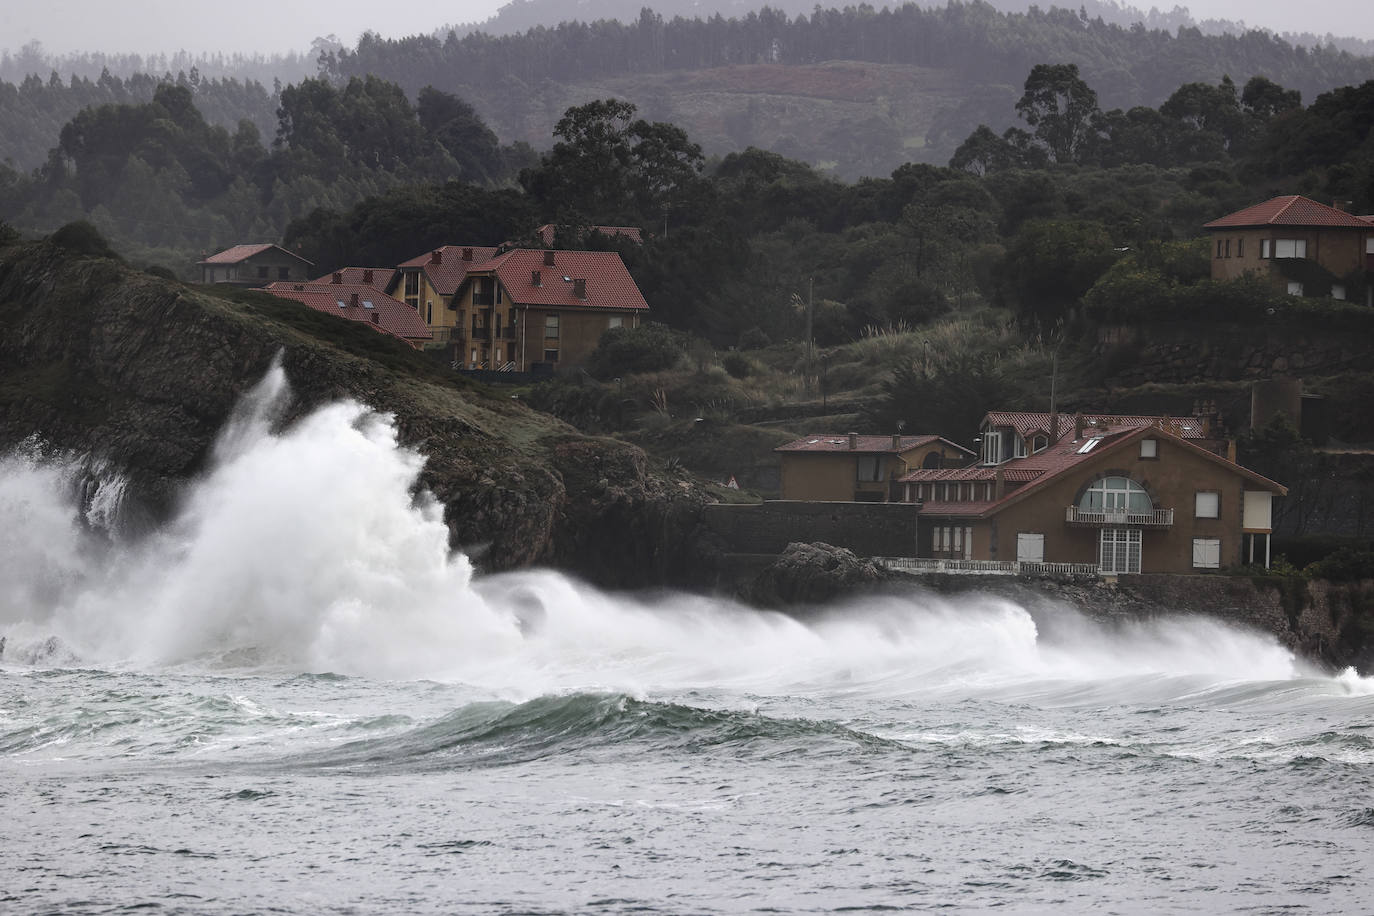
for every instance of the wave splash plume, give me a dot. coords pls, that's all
(310, 549)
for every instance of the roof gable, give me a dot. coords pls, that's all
(240, 253)
(829, 443)
(606, 282)
(447, 267)
(1290, 210)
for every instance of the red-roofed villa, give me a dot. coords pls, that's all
(528, 309)
(854, 468)
(1305, 248)
(1092, 494)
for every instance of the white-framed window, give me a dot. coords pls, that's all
(1207, 504)
(1290, 248)
(958, 539)
(1120, 551)
(1266, 248)
(1369, 245)
(429, 311)
(615, 321)
(1116, 494)
(1039, 443)
(550, 327)
(1337, 291)
(1206, 553)
(550, 356)
(1149, 448)
(1294, 288)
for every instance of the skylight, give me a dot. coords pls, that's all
(1089, 445)
(367, 303)
(341, 303)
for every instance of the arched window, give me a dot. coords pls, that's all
(1116, 493)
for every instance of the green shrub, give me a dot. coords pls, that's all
(81, 237)
(1345, 565)
(754, 339)
(737, 364)
(623, 351)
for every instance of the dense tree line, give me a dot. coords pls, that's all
(1128, 65)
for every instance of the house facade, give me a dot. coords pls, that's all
(854, 468)
(1303, 247)
(254, 266)
(428, 283)
(1110, 497)
(531, 309)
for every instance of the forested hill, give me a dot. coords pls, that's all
(521, 15)
(927, 77)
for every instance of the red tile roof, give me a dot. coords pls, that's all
(446, 267)
(385, 314)
(608, 285)
(1027, 423)
(376, 277)
(547, 231)
(241, 253)
(829, 442)
(1043, 467)
(1291, 210)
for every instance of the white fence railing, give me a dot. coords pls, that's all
(1155, 518)
(987, 567)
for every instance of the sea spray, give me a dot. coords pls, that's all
(307, 549)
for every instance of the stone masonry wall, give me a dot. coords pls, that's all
(868, 529)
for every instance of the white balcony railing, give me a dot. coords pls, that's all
(1153, 518)
(986, 567)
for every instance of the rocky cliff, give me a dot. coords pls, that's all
(101, 360)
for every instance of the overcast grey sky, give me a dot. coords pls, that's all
(275, 26)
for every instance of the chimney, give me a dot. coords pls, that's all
(896, 442)
(467, 254)
(337, 278)
(376, 318)
(1342, 205)
(580, 289)
(853, 441)
(436, 256)
(1231, 450)
(999, 483)
(367, 276)
(353, 301)
(548, 257)
(1054, 427)
(1077, 426)
(535, 279)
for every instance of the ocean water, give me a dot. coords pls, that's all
(292, 698)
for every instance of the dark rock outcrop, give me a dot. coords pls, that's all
(814, 574)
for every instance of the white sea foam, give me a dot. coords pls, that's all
(306, 549)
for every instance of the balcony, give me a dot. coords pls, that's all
(448, 335)
(1101, 518)
(953, 567)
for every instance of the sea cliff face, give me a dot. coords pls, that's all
(140, 372)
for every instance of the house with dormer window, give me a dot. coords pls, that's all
(345, 296)
(531, 309)
(1097, 494)
(1303, 247)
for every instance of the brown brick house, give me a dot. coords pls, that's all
(854, 468)
(1106, 495)
(530, 308)
(1304, 247)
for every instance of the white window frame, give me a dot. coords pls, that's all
(1294, 288)
(1119, 551)
(1149, 448)
(1206, 504)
